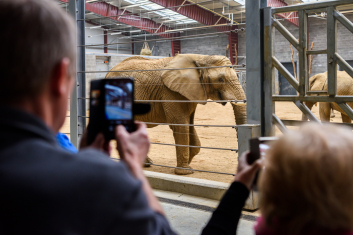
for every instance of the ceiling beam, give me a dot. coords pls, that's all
(110, 11)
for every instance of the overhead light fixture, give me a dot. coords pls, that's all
(135, 31)
(115, 33)
(137, 5)
(93, 1)
(94, 27)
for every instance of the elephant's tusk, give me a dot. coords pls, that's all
(241, 104)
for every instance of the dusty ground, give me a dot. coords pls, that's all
(221, 137)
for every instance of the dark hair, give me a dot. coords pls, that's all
(35, 36)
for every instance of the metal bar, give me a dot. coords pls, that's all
(306, 111)
(331, 50)
(159, 39)
(316, 92)
(344, 65)
(73, 97)
(309, 6)
(316, 52)
(152, 164)
(286, 33)
(303, 59)
(279, 123)
(149, 70)
(254, 59)
(269, 74)
(191, 146)
(278, 65)
(313, 98)
(245, 133)
(299, 123)
(343, 20)
(316, 10)
(346, 108)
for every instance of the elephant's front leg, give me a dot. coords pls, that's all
(193, 139)
(181, 136)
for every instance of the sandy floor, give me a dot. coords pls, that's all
(221, 137)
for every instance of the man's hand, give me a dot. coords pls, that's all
(133, 147)
(99, 143)
(246, 173)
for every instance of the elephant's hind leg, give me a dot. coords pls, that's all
(345, 118)
(325, 111)
(148, 162)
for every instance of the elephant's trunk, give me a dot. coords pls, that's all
(239, 113)
(239, 109)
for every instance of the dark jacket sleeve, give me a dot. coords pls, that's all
(225, 218)
(123, 207)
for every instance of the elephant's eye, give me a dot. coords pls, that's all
(221, 80)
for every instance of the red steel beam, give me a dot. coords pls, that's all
(105, 9)
(291, 17)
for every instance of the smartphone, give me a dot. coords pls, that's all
(258, 147)
(111, 104)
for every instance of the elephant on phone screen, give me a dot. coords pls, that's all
(189, 84)
(318, 82)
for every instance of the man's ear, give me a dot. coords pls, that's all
(60, 82)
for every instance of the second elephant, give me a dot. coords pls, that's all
(189, 84)
(318, 82)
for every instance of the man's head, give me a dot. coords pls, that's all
(38, 55)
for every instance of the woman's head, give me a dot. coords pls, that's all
(308, 179)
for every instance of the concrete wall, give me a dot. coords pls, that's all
(96, 36)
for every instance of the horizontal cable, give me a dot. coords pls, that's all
(184, 101)
(198, 125)
(192, 146)
(150, 70)
(162, 84)
(159, 39)
(172, 124)
(182, 168)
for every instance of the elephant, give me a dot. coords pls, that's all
(189, 84)
(318, 82)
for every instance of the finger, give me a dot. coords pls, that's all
(255, 167)
(141, 127)
(99, 141)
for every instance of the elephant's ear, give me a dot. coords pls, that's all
(187, 81)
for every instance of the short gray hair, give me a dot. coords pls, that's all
(35, 36)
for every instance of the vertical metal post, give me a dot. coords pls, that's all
(77, 105)
(245, 133)
(254, 60)
(303, 45)
(331, 50)
(269, 74)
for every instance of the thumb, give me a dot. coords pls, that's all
(121, 132)
(99, 141)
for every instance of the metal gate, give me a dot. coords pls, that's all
(302, 86)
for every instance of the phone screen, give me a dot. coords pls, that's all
(118, 101)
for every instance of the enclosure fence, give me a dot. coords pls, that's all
(270, 23)
(78, 110)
